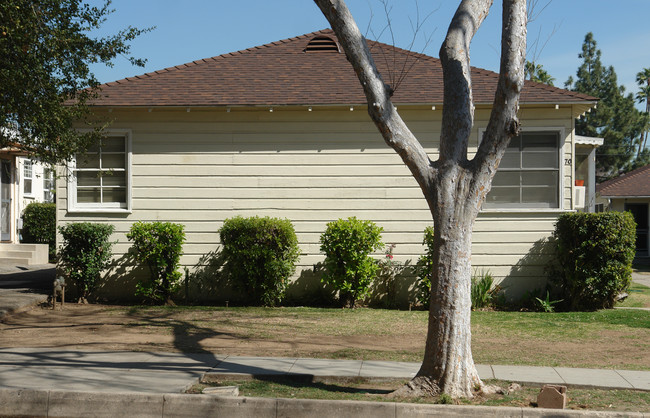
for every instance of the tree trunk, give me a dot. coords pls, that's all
(453, 186)
(448, 357)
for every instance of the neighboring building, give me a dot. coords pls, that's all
(282, 130)
(21, 182)
(630, 192)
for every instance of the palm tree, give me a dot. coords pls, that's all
(643, 80)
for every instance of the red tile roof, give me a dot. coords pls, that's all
(282, 73)
(636, 183)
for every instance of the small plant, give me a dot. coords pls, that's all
(445, 399)
(548, 305)
(260, 256)
(158, 245)
(389, 269)
(482, 293)
(347, 244)
(84, 254)
(424, 269)
(39, 226)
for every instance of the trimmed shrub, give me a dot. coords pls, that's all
(424, 269)
(347, 244)
(594, 254)
(260, 255)
(159, 245)
(39, 226)
(85, 253)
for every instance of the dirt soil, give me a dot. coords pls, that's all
(103, 327)
(100, 327)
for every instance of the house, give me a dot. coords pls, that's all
(282, 130)
(630, 192)
(22, 181)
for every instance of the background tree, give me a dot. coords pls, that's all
(643, 80)
(537, 73)
(46, 49)
(616, 119)
(454, 186)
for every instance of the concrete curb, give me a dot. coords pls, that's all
(53, 403)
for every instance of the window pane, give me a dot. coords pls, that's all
(87, 178)
(113, 161)
(540, 159)
(88, 161)
(539, 142)
(28, 186)
(114, 178)
(501, 195)
(114, 195)
(506, 178)
(113, 144)
(88, 195)
(543, 196)
(540, 178)
(511, 159)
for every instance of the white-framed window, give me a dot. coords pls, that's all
(100, 179)
(529, 174)
(28, 177)
(48, 184)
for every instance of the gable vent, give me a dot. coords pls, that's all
(322, 44)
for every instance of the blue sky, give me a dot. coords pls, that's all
(193, 29)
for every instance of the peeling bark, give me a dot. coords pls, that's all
(453, 186)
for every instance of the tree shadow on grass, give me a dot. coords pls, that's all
(344, 385)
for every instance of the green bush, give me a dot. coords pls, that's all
(39, 226)
(424, 269)
(347, 244)
(593, 258)
(159, 245)
(85, 253)
(260, 255)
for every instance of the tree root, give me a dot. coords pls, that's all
(418, 387)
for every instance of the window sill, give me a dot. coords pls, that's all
(100, 210)
(525, 210)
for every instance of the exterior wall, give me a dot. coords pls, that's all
(201, 167)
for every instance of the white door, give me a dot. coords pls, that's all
(5, 200)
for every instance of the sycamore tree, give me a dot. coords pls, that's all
(46, 49)
(453, 185)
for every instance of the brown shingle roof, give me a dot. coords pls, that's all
(282, 73)
(636, 183)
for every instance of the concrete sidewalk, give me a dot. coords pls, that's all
(24, 286)
(105, 371)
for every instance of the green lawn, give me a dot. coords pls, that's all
(360, 389)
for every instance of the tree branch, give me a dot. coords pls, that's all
(458, 109)
(504, 123)
(393, 129)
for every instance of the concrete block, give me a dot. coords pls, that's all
(409, 410)
(221, 390)
(308, 408)
(23, 402)
(552, 397)
(86, 404)
(177, 405)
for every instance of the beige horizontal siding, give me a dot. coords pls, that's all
(200, 168)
